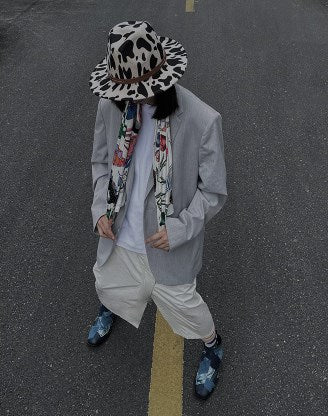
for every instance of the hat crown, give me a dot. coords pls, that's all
(133, 49)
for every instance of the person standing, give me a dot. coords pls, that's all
(158, 177)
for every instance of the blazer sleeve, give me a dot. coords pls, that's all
(99, 166)
(211, 193)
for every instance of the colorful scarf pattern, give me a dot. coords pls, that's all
(162, 163)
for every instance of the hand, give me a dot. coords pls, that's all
(159, 240)
(104, 226)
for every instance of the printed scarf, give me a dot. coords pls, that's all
(162, 163)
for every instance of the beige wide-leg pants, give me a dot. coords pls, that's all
(125, 284)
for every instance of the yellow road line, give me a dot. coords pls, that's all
(166, 383)
(190, 6)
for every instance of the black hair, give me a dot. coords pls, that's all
(166, 103)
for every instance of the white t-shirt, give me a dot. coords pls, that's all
(131, 233)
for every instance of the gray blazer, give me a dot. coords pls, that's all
(198, 185)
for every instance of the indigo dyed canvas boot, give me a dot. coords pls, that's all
(207, 374)
(101, 327)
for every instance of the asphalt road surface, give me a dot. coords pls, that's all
(263, 65)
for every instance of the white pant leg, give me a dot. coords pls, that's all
(120, 284)
(183, 308)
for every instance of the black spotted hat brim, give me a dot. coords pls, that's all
(169, 73)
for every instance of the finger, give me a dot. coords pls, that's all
(101, 233)
(105, 222)
(107, 233)
(163, 237)
(164, 246)
(159, 242)
(154, 237)
(107, 227)
(110, 233)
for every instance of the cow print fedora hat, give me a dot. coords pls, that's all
(138, 63)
